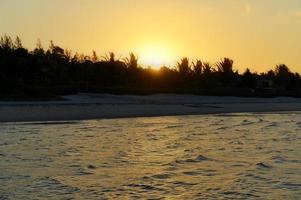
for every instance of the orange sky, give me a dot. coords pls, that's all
(255, 33)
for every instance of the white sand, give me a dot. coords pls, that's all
(97, 106)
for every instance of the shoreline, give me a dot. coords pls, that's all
(104, 106)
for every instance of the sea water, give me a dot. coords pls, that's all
(231, 156)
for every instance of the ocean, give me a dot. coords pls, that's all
(224, 156)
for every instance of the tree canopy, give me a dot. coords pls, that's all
(56, 70)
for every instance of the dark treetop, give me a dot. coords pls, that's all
(45, 73)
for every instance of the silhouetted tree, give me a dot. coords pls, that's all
(18, 43)
(225, 66)
(284, 77)
(68, 55)
(248, 79)
(6, 43)
(183, 67)
(132, 61)
(207, 69)
(94, 57)
(58, 71)
(225, 70)
(198, 68)
(111, 57)
(39, 51)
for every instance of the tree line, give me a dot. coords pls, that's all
(55, 71)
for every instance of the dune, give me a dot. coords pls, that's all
(99, 106)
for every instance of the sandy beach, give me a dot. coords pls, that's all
(99, 106)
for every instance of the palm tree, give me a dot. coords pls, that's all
(6, 43)
(225, 66)
(68, 55)
(132, 61)
(207, 69)
(183, 67)
(283, 76)
(109, 57)
(197, 67)
(94, 57)
(225, 71)
(18, 43)
(39, 48)
(281, 69)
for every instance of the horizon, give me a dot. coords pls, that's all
(150, 99)
(123, 58)
(256, 35)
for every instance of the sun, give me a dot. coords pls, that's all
(155, 56)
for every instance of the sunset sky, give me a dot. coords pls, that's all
(255, 33)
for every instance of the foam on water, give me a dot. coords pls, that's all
(232, 156)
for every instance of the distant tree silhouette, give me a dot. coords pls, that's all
(198, 68)
(94, 57)
(207, 69)
(283, 76)
(225, 66)
(111, 57)
(39, 50)
(281, 70)
(248, 79)
(132, 61)
(56, 70)
(225, 71)
(6, 43)
(183, 67)
(68, 55)
(18, 43)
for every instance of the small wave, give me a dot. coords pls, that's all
(201, 172)
(246, 122)
(83, 172)
(234, 115)
(145, 187)
(4, 196)
(199, 158)
(223, 128)
(239, 194)
(91, 167)
(4, 144)
(70, 153)
(263, 165)
(181, 183)
(273, 124)
(51, 123)
(279, 159)
(5, 178)
(289, 186)
(174, 126)
(260, 120)
(192, 173)
(56, 185)
(256, 177)
(294, 186)
(162, 176)
(74, 165)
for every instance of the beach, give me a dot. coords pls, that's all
(101, 106)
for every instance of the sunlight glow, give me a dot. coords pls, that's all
(155, 56)
(162, 32)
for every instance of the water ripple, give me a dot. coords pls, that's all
(232, 156)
